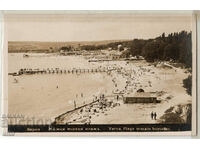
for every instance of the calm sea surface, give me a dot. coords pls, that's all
(49, 95)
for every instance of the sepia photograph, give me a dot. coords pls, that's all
(100, 71)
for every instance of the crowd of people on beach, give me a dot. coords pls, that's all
(125, 79)
(84, 114)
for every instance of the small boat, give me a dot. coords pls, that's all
(13, 74)
(25, 55)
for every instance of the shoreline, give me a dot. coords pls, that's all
(129, 77)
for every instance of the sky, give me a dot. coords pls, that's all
(92, 27)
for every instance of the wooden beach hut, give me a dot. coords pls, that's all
(140, 97)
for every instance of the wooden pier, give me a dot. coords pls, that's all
(28, 71)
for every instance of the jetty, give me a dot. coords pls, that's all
(28, 71)
(83, 113)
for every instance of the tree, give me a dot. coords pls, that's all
(187, 83)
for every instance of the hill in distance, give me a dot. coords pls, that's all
(36, 46)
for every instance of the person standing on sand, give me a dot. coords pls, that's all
(74, 104)
(152, 115)
(155, 115)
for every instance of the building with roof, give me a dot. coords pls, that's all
(140, 97)
(114, 54)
